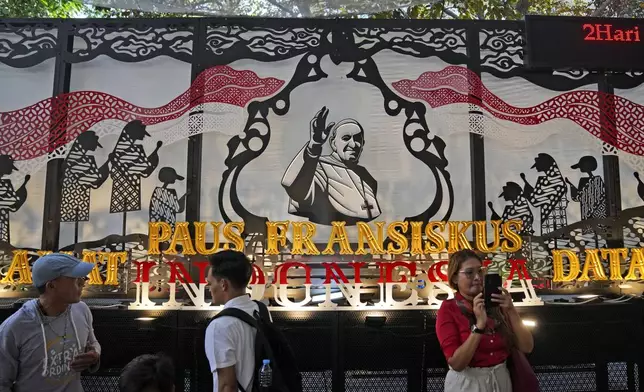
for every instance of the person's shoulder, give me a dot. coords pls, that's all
(259, 305)
(81, 307)
(447, 305)
(224, 327)
(364, 174)
(223, 322)
(10, 323)
(15, 322)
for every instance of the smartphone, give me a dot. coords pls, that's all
(491, 286)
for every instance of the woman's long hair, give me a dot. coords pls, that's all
(456, 260)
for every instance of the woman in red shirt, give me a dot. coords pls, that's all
(476, 345)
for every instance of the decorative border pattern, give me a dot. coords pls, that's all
(502, 55)
(224, 41)
(256, 136)
(23, 46)
(260, 43)
(132, 43)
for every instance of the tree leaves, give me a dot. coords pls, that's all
(516, 9)
(441, 9)
(69, 9)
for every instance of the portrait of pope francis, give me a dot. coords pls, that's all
(334, 187)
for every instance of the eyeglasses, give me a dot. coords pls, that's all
(471, 272)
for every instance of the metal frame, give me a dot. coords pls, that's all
(593, 327)
(477, 141)
(480, 36)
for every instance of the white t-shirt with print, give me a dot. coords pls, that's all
(230, 341)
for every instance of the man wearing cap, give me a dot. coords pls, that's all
(47, 343)
(164, 203)
(129, 164)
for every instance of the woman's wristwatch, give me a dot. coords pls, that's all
(476, 329)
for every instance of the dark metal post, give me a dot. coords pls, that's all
(76, 227)
(193, 177)
(615, 236)
(124, 227)
(630, 376)
(337, 366)
(477, 144)
(195, 142)
(193, 182)
(54, 181)
(416, 371)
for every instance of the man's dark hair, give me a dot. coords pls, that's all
(231, 265)
(41, 289)
(148, 373)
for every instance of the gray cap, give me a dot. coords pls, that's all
(54, 265)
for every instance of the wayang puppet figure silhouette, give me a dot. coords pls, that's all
(81, 174)
(516, 209)
(129, 164)
(640, 185)
(10, 200)
(590, 193)
(164, 203)
(549, 193)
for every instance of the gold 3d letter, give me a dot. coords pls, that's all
(557, 265)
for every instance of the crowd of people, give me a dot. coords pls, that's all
(50, 341)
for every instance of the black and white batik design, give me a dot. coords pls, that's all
(332, 187)
(10, 199)
(164, 203)
(549, 194)
(518, 208)
(81, 174)
(130, 163)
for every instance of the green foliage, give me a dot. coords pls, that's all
(442, 9)
(69, 9)
(516, 9)
(40, 8)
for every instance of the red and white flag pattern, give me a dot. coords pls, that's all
(42, 129)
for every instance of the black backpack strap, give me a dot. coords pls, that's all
(261, 342)
(263, 312)
(238, 314)
(245, 317)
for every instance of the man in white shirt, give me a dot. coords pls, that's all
(230, 343)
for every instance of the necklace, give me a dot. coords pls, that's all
(62, 337)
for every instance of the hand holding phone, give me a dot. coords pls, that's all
(491, 285)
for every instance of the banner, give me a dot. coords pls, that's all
(284, 132)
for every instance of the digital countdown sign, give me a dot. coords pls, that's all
(602, 44)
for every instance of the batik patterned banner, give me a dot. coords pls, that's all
(316, 123)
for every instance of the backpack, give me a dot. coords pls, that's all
(270, 343)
